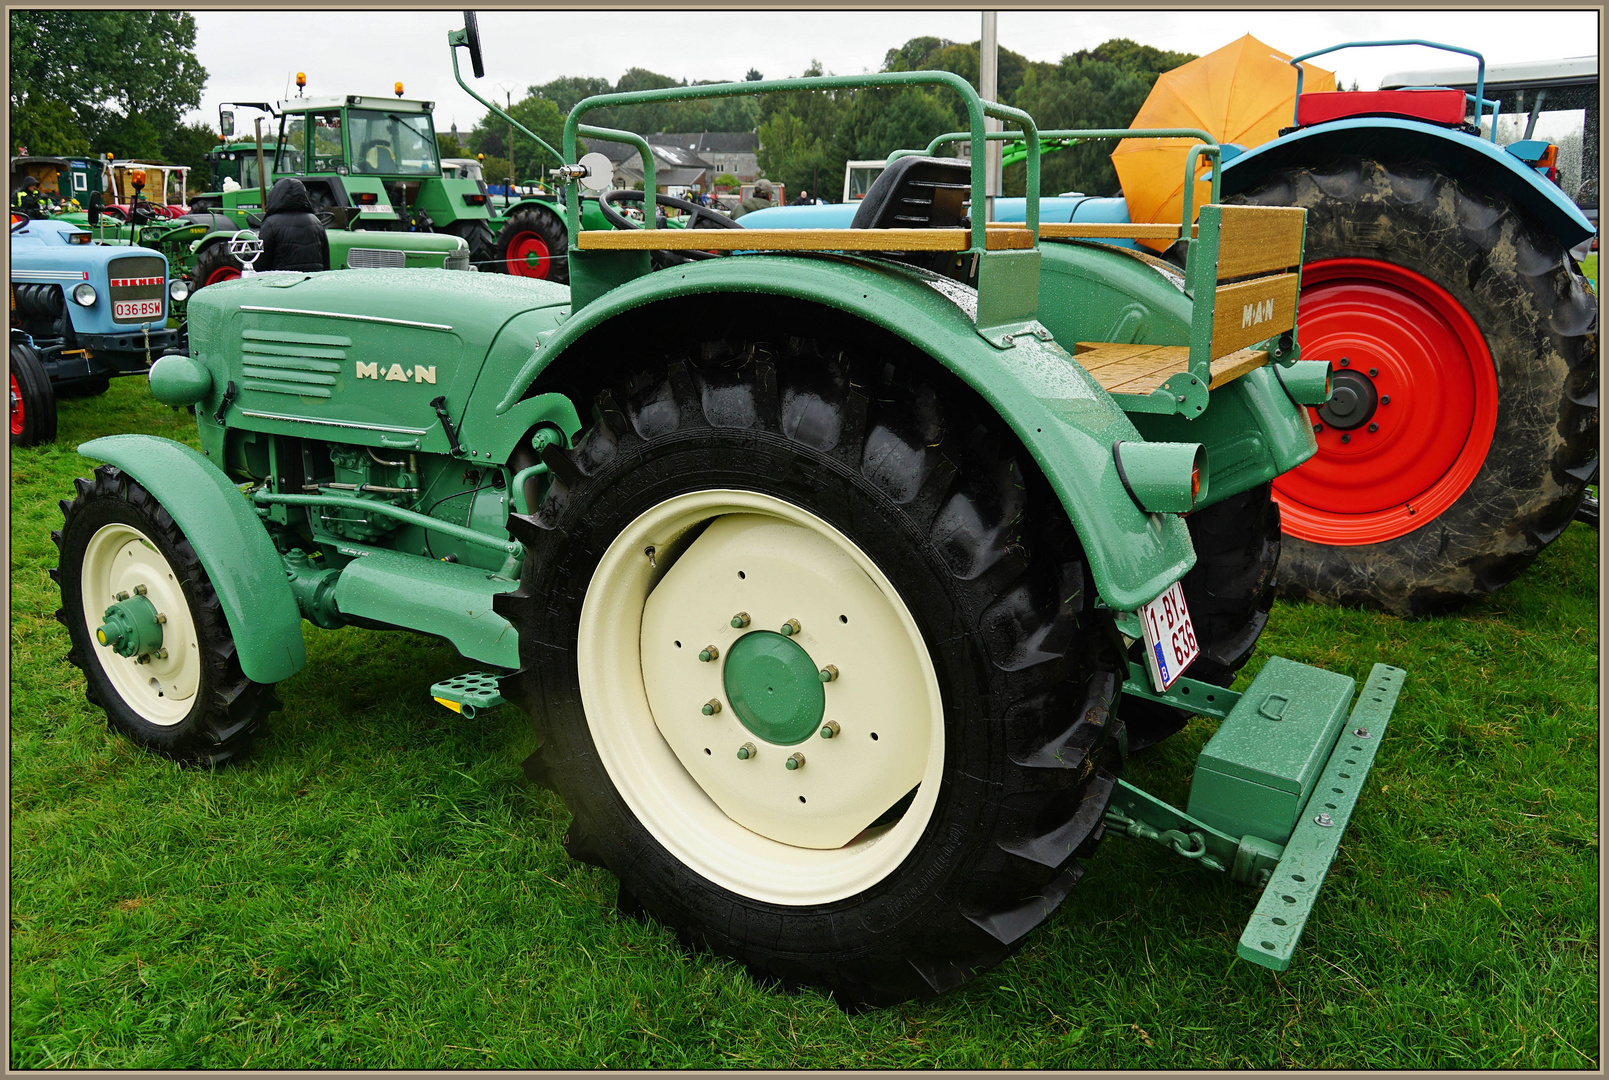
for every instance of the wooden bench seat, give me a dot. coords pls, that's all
(1140, 369)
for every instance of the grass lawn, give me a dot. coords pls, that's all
(380, 887)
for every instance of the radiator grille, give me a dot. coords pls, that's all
(301, 365)
(137, 277)
(363, 258)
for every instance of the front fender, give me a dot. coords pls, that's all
(240, 560)
(1456, 153)
(1064, 418)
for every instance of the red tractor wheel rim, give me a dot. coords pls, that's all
(1396, 465)
(17, 417)
(528, 256)
(223, 273)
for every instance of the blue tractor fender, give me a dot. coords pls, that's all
(1456, 153)
(1067, 422)
(230, 540)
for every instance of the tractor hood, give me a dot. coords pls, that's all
(364, 351)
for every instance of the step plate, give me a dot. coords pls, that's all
(1275, 927)
(468, 694)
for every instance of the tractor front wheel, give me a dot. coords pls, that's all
(147, 629)
(814, 668)
(1462, 428)
(33, 402)
(215, 264)
(533, 244)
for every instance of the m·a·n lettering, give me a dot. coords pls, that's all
(397, 373)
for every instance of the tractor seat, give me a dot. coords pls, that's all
(379, 158)
(1432, 105)
(918, 193)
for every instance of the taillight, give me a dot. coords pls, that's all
(366, 198)
(475, 200)
(1195, 482)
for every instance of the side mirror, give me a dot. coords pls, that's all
(94, 207)
(226, 122)
(472, 39)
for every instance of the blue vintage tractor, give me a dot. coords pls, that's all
(81, 314)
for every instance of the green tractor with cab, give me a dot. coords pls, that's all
(839, 570)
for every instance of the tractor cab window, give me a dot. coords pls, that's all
(328, 151)
(291, 157)
(393, 144)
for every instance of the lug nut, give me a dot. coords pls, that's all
(790, 628)
(829, 729)
(1374, 427)
(711, 707)
(1374, 373)
(1346, 438)
(1324, 821)
(161, 619)
(795, 761)
(122, 596)
(740, 620)
(1317, 428)
(139, 590)
(708, 653)
(162, 654)
(1345, 362)
(1385, 399)
(829, 673)
(746, 751)
(145, 658)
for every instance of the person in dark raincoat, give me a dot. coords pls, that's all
(293, 239)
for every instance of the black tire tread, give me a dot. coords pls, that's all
(1539, 318)
(37, 394)
(549, 226)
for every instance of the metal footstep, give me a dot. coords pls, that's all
(468, 694)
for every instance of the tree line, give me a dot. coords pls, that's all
(120, 81)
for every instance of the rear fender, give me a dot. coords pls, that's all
(1455, 153)
(240, 560)
(1067, 422)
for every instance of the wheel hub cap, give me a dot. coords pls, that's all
(131, 628)
(1352, 401)
(774, 688)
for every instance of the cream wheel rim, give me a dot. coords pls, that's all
(117, 559)
(669, 588)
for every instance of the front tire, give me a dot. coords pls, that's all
(1438, 295)
(901, 530)
(33, 401)
(533, 243)
(188, 699)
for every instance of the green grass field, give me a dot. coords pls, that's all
(380, 887)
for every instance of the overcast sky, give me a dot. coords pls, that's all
(255, 55)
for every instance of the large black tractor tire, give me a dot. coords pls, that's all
(215, 265)
(1229, 592)
(533, 243)
(482, 243)
(33, 401)
(194, 704)
(912, 471)
(1507, 282)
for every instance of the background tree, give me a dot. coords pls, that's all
(93, 81)
(490, 137)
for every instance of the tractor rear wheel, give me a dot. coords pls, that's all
(1463, 425)
(147, 629)
(533, 243)
(33, 402)
(816, 669)
(216, 264)
(1229, 592)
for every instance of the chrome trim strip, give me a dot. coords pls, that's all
(334, 423)
(344, 315)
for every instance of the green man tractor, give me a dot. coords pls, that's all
(839, 570)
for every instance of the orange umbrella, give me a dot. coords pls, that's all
(1242, 93)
